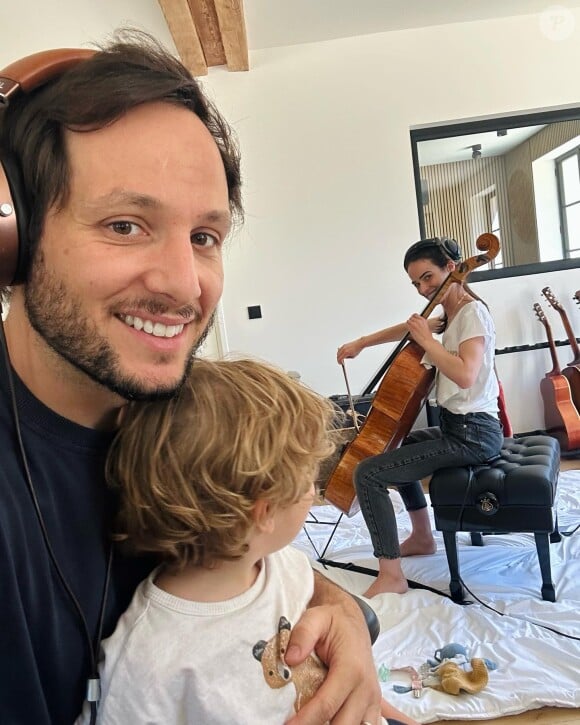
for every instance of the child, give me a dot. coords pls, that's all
(216, 483)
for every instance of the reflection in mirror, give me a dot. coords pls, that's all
(518, 178)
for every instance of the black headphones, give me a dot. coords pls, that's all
(449, 247)
(23, 76)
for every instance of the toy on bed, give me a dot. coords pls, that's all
(451, 671)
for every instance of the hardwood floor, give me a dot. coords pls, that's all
(545, 715)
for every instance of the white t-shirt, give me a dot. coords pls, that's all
(171, 661)
(472, 320)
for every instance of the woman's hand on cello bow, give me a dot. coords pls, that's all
(348, 350)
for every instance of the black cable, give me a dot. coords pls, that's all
(488, 606)
(513, 616)
(93, 650)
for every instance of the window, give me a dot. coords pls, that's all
(568, 175)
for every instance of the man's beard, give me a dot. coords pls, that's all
(55, 314)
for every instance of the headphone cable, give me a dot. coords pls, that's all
(93, 686)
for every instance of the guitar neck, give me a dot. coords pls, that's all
(567, 326)
(555, 364)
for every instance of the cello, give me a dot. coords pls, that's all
(400, 396)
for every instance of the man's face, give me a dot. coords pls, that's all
(128, 274)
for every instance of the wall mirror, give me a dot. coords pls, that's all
(515, 176)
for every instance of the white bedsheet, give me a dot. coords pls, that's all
(536, 667)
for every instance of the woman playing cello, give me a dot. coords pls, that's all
(467, 393)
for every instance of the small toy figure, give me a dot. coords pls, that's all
(307, 676)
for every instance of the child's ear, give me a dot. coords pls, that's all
(264, 516)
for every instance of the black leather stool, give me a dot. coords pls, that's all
(513, 493)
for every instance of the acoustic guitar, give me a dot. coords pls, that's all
(572, 369)
(561, 418)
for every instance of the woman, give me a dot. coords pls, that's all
(467, 393)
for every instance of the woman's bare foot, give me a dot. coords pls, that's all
(391, 581)
(417, 545)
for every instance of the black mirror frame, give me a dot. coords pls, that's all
(461, 128)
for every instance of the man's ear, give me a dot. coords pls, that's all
(264, 516)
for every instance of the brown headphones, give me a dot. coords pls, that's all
(23, 76)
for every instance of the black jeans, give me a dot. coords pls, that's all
(461, 440)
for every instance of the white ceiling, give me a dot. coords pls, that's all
(271, 23)
(458, 148)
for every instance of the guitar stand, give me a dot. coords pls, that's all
(313, 519)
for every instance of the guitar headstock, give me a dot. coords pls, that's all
(549, 295)
(540, 313)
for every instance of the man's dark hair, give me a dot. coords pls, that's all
(133, 69)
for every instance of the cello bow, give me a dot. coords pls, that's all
(404, 387)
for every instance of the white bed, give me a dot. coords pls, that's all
(536, 667)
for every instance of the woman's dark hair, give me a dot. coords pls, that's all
(437, 249)
(133, 69)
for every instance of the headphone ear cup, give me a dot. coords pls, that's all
(14, 242)
(451, 248)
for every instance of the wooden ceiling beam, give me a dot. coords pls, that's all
(205, 18)
(230, 15)
(208, 33)
(183, 30)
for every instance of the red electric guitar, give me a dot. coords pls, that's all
(561, 416)
(572, 369)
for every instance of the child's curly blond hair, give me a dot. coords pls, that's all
(191, 469)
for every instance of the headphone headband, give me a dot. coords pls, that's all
(23, 76)
(34, 70)
(449, 247)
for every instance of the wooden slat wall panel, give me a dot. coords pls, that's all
(552, 136)
(524, 245)
(455, 204)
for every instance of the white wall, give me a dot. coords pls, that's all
(329, 191)
(330, 195)
(32, 25)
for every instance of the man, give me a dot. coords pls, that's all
(132, 182)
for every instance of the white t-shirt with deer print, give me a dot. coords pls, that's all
(171, 661)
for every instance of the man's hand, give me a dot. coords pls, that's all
(335, 629)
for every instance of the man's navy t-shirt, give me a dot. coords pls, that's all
(44, 659)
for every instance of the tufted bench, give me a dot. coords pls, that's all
(512, 493)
